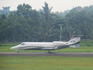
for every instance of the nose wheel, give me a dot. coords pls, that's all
(17, 51)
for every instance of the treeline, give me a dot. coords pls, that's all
(27, 24)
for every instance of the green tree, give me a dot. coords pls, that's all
(47, 11)
(80, 22)
(24, 10)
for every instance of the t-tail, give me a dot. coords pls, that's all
(74, 41)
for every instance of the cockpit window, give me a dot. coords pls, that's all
(22, 44)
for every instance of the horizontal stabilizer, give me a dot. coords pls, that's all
(75, 45)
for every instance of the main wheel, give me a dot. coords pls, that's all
(49, 51)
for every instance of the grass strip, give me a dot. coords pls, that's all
(46, 63)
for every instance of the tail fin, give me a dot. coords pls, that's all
(74, 41)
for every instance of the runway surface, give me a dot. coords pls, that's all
(39, 54)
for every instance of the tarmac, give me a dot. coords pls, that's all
(40, 54)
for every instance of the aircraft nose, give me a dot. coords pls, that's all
(15, 47)
(12, 48)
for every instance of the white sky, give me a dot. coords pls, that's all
(58, 5)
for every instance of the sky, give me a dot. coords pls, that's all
(58, 5)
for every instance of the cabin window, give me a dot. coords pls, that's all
(72, 41)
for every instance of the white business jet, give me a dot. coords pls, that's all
(73, 42)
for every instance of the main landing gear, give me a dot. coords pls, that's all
(49, 51)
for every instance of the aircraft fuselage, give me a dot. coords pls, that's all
(40, 45)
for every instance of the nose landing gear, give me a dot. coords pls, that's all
(17, 51)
